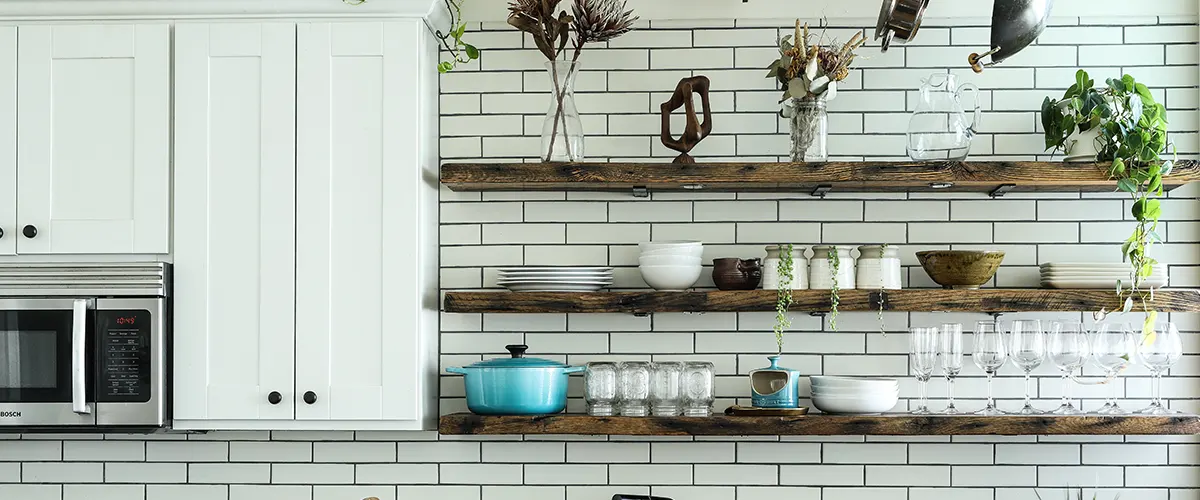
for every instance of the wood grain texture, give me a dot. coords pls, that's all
(984, 300)
(983, 176)
(821, 425)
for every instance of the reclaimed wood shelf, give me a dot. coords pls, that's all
(988, 300)
(900, 424)
(995, 177)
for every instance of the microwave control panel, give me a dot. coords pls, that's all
(124, 356)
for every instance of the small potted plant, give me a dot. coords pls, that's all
(1073, 123)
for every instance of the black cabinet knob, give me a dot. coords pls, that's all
(29, 231)
(310, 397)
(1, 232)
(274, 397)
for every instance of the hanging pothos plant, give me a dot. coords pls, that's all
(1133, 136)
(460, 52)
(835, 263)
(783, 295)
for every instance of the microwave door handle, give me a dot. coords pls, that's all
(79, 402)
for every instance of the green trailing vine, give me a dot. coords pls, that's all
(1133, 136)
(882, 295)
(783, 295)
(460, 51)
(836, 263)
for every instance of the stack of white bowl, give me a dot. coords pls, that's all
(670, 265)
(832, 394)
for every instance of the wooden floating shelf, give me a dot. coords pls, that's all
(996, 177)
(821, 425)
(988, 300)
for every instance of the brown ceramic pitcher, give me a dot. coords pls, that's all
(737, 274)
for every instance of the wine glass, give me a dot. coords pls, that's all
(1113, 348)
(922, 349)
(950, 351)
(1027, 349)
(1068, 349)
(1159, 352)
(989, 355)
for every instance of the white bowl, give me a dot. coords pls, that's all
(832, 381)
(669, 260)
(829, 404)
(671, 278)
(654, 245)
(694, 252)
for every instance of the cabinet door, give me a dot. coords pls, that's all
(93, 152)
(357, 298)
(8, 141)
(235, 226)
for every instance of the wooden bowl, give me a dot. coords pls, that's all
(964, 269)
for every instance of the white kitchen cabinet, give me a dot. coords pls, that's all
(235, 220)
(328, 286)
(93, 165)
(8, 140)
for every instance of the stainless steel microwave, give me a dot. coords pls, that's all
(84, 347)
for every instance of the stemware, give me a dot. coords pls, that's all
(1160, 352)
(1113, 348)
(950, 352)
(989, 355)
(922, 349)
(1068, 350)
(1027, 349)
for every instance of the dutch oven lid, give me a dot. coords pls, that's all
(518, 360)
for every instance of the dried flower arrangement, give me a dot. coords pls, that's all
(808, 71)
(593, 21)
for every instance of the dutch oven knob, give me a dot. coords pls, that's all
(517, 350)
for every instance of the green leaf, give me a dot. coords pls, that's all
(1127, 185)
(1081, 80)
(458, 32)
(1118, 167)
(445, 67)
(472, 52)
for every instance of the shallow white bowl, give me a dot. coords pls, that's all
(865, 383)
(855, 405)
(671, 278)
(695, 251)
(669, 260)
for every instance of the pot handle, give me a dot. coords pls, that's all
(455, 369)
(573, 369)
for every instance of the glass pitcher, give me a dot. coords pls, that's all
(939, 129)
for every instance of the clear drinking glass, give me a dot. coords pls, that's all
(666, 394)
(698, 388)
(1113, 349)
(989, 355)
(922, 351)
(1027, 349)
(600, 388)
(950, 352)
(1068, 350)
(1160, 353)
(633, 389)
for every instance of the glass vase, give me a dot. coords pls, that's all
(809, 127)
(562, 131)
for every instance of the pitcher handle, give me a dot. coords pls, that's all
(974, 127)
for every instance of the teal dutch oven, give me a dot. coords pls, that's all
(516, 385)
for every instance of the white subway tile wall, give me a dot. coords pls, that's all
(492, 111)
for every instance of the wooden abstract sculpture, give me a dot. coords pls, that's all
(694, 132)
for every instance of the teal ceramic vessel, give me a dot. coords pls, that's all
(516, 385)
(775, 386)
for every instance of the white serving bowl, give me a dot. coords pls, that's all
(670, 246)
(695, 252)
(864, 383)
(671, 278)
(669, 260)
(855, 392)
(871, 404)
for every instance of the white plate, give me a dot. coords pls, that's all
(1088, 276)
(1095, 284)
(1090, 267)
(565, 281)
(544, 287)
(568, 269)
(557, 275)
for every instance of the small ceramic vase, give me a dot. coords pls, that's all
(820, 269)
(737, 274)
(771, 268)
(774, 386)
(878, 267)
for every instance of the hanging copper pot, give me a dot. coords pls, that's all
(899, 19)
(1015, 25)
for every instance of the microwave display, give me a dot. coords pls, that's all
(124, 374)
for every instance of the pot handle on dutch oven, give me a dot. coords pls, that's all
(517, 350)
(573, 369)
(455, 369)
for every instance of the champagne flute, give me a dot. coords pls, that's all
(922, 349)
(1027, 351)
(1159, 353)
(1068, 350)
(1113, 348)
(989, 355)
(950, 351)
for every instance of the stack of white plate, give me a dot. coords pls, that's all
(832, 394)
(1096, 275)
(670, 265)
(555, 278)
